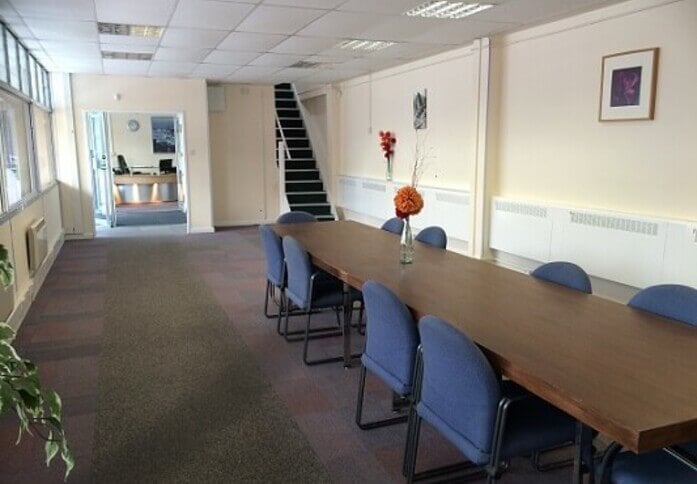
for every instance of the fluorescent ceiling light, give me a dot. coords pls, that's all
(150, 31)
(371, 45)
(447, 10)
(127, 55)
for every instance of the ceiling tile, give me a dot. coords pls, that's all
(255, 71)
(128, 40)
(71, 64)
(180, 54)
(400, 29)
(530, 11)
(7, 11)
(304, 45)
(342, 24)
(209, 14)
(390, 7)
(71, 49)
(167, 68)
(21, 30)
(141, 12)
(140, 49)
(278, 60)
(325, 4)
(180, 37)
(251, 42)
(49, 29)
(460, 32)
(126, 67)
(63, 9)
(214, 71)
(409, 51)
(230, 57)
(278, 20)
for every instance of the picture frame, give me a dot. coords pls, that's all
(628, 85)
(163, 135)
(419, 103)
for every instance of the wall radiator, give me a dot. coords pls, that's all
(631, 249)
(37, 244)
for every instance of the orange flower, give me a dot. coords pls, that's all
(408, 201)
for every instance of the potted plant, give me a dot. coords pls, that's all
(38, 410)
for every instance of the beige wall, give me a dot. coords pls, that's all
(135, 146)
(383, 101)
(243, 166)
(153, 95)
(547, 143)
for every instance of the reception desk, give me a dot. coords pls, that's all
(145, 188)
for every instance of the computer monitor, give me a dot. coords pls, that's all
(166, 166)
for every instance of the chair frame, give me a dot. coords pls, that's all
(376, 423)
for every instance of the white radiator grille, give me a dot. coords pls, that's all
(521, 209)
(452, 198)
(378, 187)
(348, 182)
(614, 223)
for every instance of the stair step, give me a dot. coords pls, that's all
(293, 113)
(283, 85)
(286, 104)
(298, 143)
(299, 175)
(280, 94)
(300, 153)
(304, 186)
(307, 197)
(324, 210)
(295, 164)
(292, 124)
(325, 218)
(292, 133)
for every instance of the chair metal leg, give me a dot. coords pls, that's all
(583, 460)
(359, 408)
(307, 339)
(287, 312)
(412, 447)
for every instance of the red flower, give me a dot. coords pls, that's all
(387, 142)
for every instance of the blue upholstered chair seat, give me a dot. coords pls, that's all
(653, 468)
(532, 424)
(386, 376)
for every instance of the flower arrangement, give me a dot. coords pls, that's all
(408, 201)
(387, 142)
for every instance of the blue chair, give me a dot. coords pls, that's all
(676, 302)
(309, 290)
(434, 236)
(296, 217)
(488, 420)
(390, 347)
(566, 274)
(394, 225)
(275, 267)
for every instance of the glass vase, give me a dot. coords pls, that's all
(388, 174)
(406, 244)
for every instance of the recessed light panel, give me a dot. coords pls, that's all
(127, 55)
(150, 31)
(447, 10)
(371, 45)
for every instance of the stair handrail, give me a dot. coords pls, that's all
(283, 139)
(282, 196)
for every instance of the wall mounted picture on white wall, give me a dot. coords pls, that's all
(628, 85)
(420, 119)
(163, 134)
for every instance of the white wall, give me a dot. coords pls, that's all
(243, 164)
(135, 146)
(152, 95)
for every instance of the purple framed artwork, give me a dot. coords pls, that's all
(628, 85)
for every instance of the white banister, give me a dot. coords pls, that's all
(283, 199)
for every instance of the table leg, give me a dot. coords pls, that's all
(583, 460)
(348, 314)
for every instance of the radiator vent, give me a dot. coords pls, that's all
(614, 223)
(452, 198)
(37, 244)
(378, 187)
(348, 182)
(521, 209)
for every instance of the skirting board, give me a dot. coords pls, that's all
(87, 236)
(243, 223)
(24, 301)
(201, 230)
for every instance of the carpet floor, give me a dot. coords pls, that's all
(167, 213)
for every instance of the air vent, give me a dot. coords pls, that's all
(521, 209)
(378, 187)
(443, 9)
(127, 55)
(614, 223)
(370, 45)
(151, 31)
(308, 65)
(452, 198)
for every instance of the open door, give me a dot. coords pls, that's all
(102, 183)
(181, 163)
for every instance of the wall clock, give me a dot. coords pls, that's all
(133, 125)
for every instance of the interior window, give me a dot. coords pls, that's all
(15, 147)
(44, 146)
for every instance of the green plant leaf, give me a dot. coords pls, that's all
(6, 332)
(8, 352)
(67, 457)
(55, 405)
(52, 447)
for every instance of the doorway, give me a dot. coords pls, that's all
(138, 168)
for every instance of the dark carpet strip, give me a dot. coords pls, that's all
(180, 396)
(130, 219)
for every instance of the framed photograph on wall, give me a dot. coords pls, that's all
(163, 134)
(420, 118)
(628, 85)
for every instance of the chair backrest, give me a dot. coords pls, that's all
(122, 164)
(672, 301)
(273, 251)
(391, 333)
(295, 217)
(166, 165)
(564, 273)
(299, 272)
(394, 225)
(459, 385)
(434, 236)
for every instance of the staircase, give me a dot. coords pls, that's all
(304, 187)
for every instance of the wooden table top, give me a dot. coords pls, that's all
(629, 374)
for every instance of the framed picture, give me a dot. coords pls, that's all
(628, 85)
(163, 134)
(420, 119)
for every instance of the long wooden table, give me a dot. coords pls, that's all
(629, 374)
